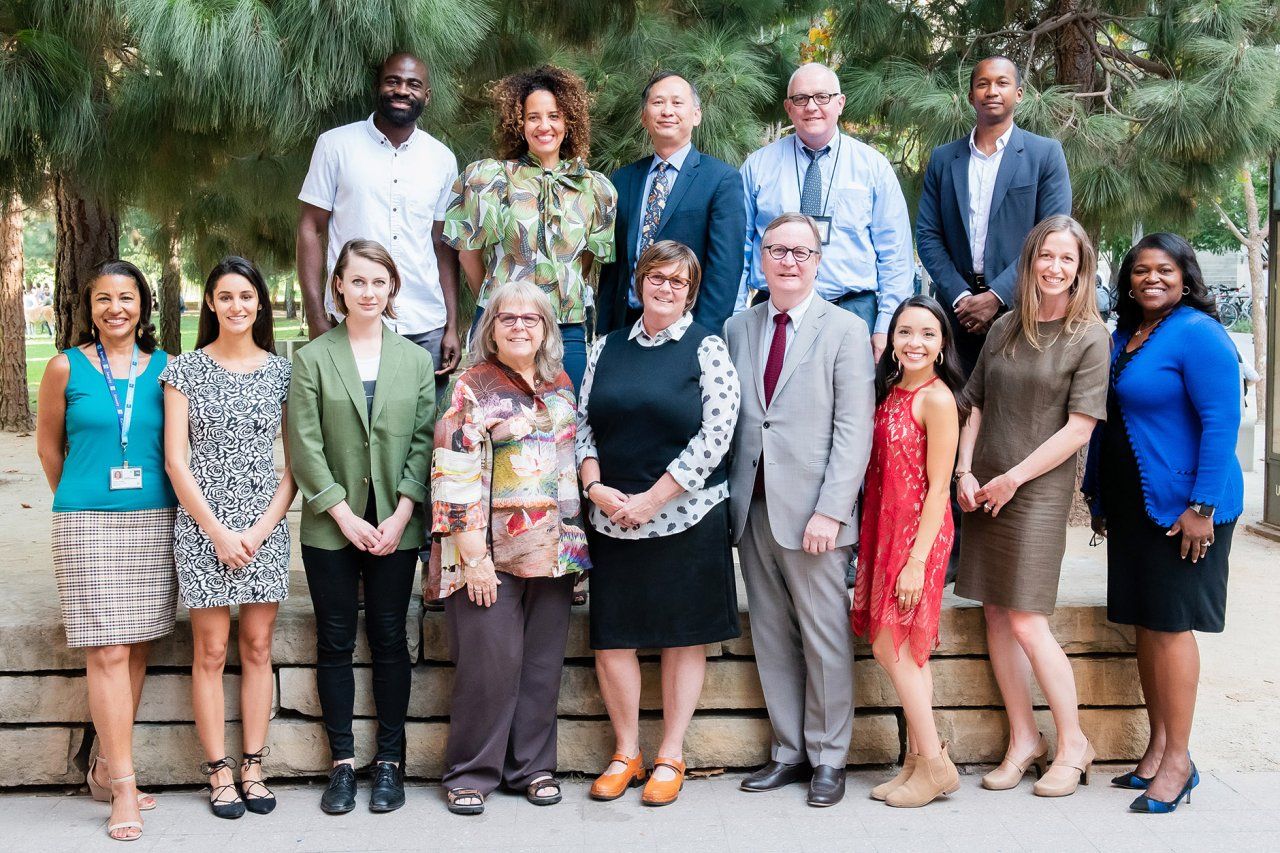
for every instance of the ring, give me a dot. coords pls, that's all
(987, 505)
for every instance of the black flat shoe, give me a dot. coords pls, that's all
(258, 798)
(775, 775)
(224, 800)
(388, 788)
(340, 796)
(827, 786)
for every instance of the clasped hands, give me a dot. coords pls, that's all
(975, 312)
(380, 540)
(626, 511)
(990, 498)
(237, 548)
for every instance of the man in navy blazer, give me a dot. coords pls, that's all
(982, 195)
(679, 194)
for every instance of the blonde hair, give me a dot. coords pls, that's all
(549, 360)
(1082, 307)
(370, 250)
(666, 252)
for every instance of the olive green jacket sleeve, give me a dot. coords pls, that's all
(339, 451)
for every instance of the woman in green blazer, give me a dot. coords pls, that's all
(361, 422)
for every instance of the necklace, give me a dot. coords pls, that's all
(1147, 330)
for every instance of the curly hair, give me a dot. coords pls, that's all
(570, 92)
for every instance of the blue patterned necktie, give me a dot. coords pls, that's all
(811, 195)
(653, 207)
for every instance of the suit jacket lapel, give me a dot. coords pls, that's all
(755, 329)
(639, 171)
(1013, 153)
(388, 367)
(684, 179)
(960, 177)
(806, 336)
(344, 361)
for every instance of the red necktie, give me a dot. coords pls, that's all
(772, 369)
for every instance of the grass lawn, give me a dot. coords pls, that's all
(40, 348)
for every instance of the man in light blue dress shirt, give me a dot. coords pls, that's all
(849, 188)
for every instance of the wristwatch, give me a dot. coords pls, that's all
(586, 490)
(471, 564)
(1203, 510)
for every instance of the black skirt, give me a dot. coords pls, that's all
(1149, 584)
(666, 591)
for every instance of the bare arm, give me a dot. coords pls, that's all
(282, 498)
(51, 419)
(472, 263)
(967, 484)
(1056, 449)
(942, 426)
(313, 229)
(447, 264)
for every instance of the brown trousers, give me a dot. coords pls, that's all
(508, 660)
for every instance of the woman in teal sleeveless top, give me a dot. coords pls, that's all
(100, 434)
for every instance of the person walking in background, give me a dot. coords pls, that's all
(505, 502)
(224, 406)
(655, 423)
(537, 213)
(1166, 491)
(99, 436)
(849, 189)
(1037, 391)
(678, 194)
(385, 179)
(907, 533)
(982, 196)
(799, 453)
(361, 414)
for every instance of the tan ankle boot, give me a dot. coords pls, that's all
(932, 778)
(879, 792)
(1063, 779)
(1010, 772)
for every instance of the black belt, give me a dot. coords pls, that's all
(849, 295)
(977, 282)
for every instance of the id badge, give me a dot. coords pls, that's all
(126, 477)
(824, 228)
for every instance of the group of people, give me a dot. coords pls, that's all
(643, 447)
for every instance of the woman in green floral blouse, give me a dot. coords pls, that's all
(538, 214)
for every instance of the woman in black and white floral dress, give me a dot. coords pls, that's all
(224, 406)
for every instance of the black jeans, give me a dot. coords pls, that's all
(388, 582)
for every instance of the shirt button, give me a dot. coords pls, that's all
(395, 237)
(365, 480)
(766, 424)
(366, 444)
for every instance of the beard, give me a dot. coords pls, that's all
(402, 116)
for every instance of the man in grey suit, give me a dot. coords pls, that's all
(800, 450)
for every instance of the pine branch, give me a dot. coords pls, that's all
(1231, 226)
(1128, 57)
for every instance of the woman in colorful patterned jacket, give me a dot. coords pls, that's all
(538, 214)
(505, 503)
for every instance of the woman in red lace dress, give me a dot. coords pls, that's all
(907, 532)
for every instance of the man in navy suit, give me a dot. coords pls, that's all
(679, 194)
(982, 195)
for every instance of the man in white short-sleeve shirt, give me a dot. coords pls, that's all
(385, 179)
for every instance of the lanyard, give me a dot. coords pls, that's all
(124, 414)
(795, 159)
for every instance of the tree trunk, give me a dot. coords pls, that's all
(171, 296)
(1072, 52)
(88, 233)
(15, 407)
(1257, 231)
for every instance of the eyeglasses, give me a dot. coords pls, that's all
(656, 280)
(777, 251)
(528, 321)
(821, 99)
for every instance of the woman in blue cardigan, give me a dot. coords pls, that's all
(1166, 491)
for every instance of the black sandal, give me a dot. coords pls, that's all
(547, 781)
(229, 809)
(254, 800)
(456, 794)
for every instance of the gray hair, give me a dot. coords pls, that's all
(549, 360)
(835, 78)
(793, 218)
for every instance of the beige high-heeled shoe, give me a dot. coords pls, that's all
(1010, 772)
(124, 824)
(102, 793)
(879, 792)
(932, 778)
(1063, 779)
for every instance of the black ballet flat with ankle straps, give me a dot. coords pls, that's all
(258, 798)
(229, 809)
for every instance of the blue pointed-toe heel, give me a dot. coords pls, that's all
(1148, 805)
(1132, 781)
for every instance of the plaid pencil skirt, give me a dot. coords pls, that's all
(116, 580)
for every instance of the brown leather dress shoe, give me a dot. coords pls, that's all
(610, 786)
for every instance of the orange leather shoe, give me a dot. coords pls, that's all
(610, 786)
(658, 793)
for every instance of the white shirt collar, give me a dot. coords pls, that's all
(675, 161)
(381, 138)
(673, 332)
(795, 314)
(1001, 141)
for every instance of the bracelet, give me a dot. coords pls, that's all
(911, 557)
(586, 491)
(959, 474)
